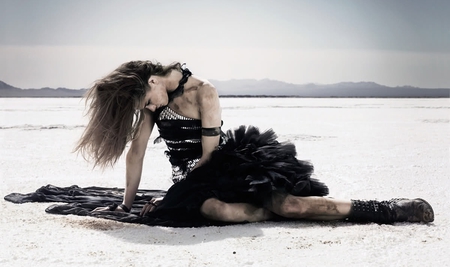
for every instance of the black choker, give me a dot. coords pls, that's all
(180, 89)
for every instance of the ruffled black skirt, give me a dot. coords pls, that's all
(246, 169)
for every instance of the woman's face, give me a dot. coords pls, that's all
(156, 96)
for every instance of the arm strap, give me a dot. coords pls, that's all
(215, 131)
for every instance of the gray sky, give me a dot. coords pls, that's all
(72, 43)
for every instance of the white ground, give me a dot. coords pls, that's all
(362, 148)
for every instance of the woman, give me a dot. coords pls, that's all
(241, 176)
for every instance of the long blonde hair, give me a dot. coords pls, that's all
(114, 114)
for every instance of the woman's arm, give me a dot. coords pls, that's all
(135, 159)
(211, 116)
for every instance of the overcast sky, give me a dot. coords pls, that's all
(72, 43)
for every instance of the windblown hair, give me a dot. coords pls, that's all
(115, 115)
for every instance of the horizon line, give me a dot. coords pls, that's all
(253, 79)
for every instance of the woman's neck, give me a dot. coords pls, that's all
(172, 80)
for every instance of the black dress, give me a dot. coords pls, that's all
(247, 167)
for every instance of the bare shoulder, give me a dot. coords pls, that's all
(207, 92)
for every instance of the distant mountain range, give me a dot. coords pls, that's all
(7, 90)
(265, 88)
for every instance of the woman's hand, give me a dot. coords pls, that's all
(151, 205)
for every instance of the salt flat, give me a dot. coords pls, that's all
(361, 148)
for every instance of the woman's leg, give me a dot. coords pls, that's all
(217, 210)
(322, 208)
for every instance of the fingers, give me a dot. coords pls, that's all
(101, 209)
(149, 207)
(146, 209)
(107, 209)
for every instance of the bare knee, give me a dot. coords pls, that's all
(217, 210)
(214, 209)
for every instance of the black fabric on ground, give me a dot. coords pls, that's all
(82, 202)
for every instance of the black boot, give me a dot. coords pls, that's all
(394, 210)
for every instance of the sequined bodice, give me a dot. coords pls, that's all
(182, 136)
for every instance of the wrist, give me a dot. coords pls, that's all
(124, 208)
(114, 206)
